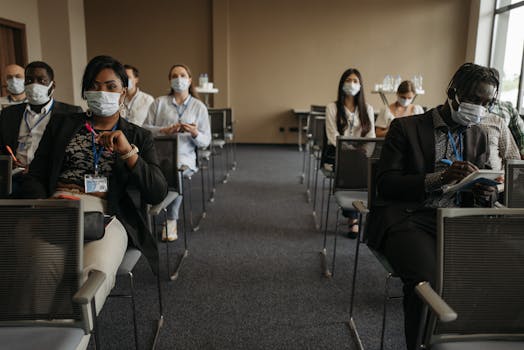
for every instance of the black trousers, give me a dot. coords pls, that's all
(410, 247)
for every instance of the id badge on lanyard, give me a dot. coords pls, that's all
(95, 182)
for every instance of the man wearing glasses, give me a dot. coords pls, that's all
(420, 155)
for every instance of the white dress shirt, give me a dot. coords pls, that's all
(385, 116)
(165, 112)
(6, 101)
(32, 127)
(137, 108)
(354, 128)
(502, 146)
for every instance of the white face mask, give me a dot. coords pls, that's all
(15, 85)
(130, 84)
(37, 94)
(404, 102)
(468, 114)
(351, 88)
(180, 84)
(102, 103)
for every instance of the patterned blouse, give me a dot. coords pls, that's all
(79, 160)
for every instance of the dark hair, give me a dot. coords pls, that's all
(99, 63)
(405, 87)
(133, 68)
(342, 122)
(468, 76)
(40, 64)
(192, 91)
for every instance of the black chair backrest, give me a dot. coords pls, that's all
(167, 154)
(40, 259)
(318, 130)
(217, 120)
(351, 164)
(229, 119)
(480, 252)
(514, 191)
(6, 166)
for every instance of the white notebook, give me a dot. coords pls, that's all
(486, 177)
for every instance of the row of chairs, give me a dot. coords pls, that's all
(80, 322)
(353, 177)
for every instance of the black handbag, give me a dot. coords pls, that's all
(94, 226)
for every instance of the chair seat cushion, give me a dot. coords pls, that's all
(345, 199)
(42, 338)
(218, 143)
(479, 345)
(129, 261)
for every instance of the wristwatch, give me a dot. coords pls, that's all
(134, 150)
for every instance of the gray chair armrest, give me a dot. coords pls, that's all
(443, 311)
(498, 205)
(360, 207)
(87, 292)
(157, 209)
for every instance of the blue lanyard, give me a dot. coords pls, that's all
(39, 119)
(456, 151)
(182, 108)
(97, 152)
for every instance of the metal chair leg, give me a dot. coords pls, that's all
(160, 322)
(352, 325)
(204, 211)
(325, 269)
(335, 245)
(132, 286)
(315, 193)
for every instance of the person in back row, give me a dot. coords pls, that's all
(402, 107)
(414, 167)
(15, 80)
(349, 115)
(101, 159)
(22, 125)
(180, 113)
(137, 102)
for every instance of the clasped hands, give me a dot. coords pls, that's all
(181, 127)
(459, 170)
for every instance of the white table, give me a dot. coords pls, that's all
(206, 92)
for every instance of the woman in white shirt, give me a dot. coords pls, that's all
(180, 112)
(349, 115)
(402, 107)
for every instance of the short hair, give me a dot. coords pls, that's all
(133, 68)
(468, 76)
(99, 63)
(40, 64)
(405, 87)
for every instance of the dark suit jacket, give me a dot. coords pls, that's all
(11, 117)
(146, 176)
(407, 156)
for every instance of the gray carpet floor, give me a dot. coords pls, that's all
(252, 279)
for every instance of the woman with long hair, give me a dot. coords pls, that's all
(349, 115)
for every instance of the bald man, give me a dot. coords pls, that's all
(15, 78)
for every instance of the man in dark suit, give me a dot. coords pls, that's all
(22, 125)
(420, 155)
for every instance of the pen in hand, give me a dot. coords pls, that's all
(446, 161)
(11, 153)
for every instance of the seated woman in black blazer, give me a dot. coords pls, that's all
(98, 157)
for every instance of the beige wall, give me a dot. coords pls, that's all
(270, 56)
(290, 54)
(62, 32)
(25, 12)
(152, 35)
